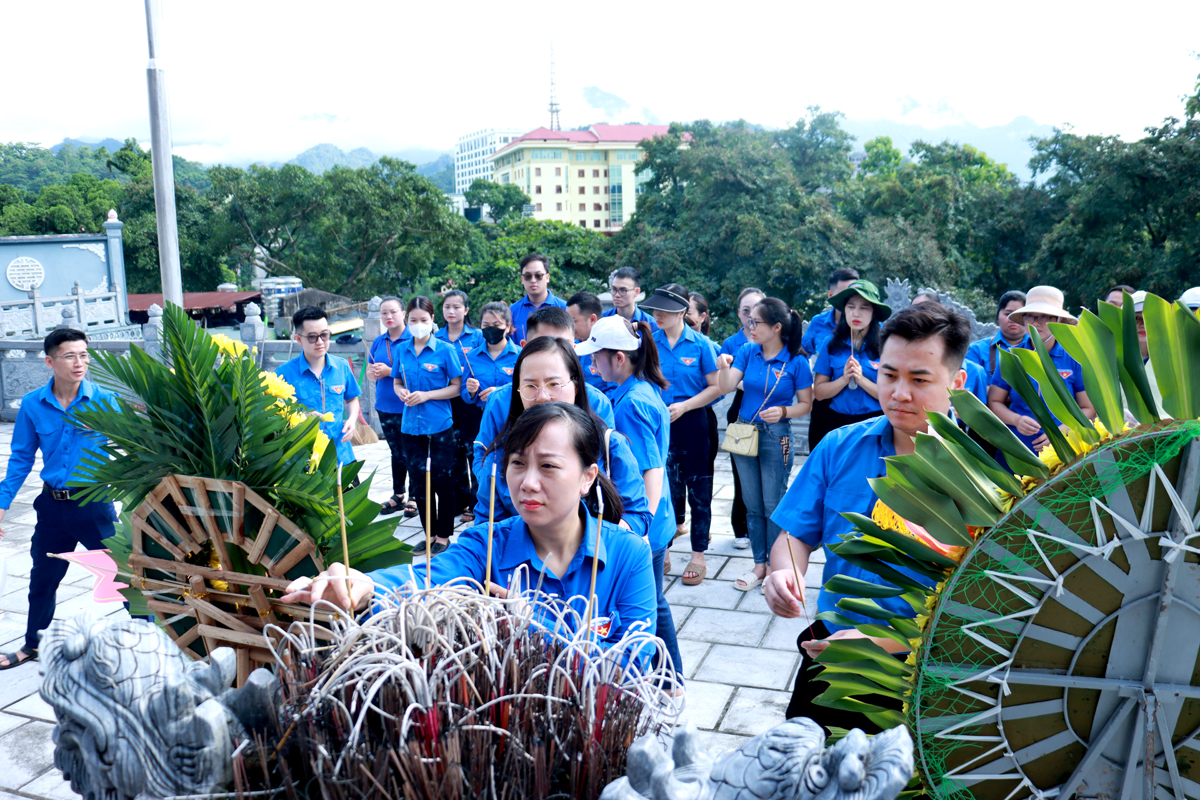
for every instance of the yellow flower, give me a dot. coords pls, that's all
(277, 386)
(318, 450)
(230, 347)
(214, 562)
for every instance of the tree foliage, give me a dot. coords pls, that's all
(504, 202)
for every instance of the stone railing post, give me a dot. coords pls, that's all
(77, 292)
(152, 332)
(36, 296)
(372, 328)
(69, 320)
(116, 265)
(253, 330)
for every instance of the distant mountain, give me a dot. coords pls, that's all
(325, 156)
(111, 144)
(1005, 144)
(441, 172)
(420, 155)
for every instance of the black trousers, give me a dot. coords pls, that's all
(391, 433)
(688, 475)
(737, 516)
(61, 524)
(831, 420)
(467, 417)
(440, 448)
(809, 686)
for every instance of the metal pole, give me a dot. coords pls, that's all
(164, 171)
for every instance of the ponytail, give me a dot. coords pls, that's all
(791, 325)
(795, 333)
(645, 358)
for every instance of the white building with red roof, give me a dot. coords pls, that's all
(471, 155)
(583, 177)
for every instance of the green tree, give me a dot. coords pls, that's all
(882, 158)
(819, 149)
(504, 202)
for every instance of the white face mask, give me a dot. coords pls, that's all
(420, 330)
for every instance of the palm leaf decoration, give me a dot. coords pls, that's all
(206, 409)
(1007, 539)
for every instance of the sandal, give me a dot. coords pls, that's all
(437, 547)
(698, 567)
(15, 660)
(747, 582)
(667, 563)
(410, 509)
(392, 505)
(467, 516)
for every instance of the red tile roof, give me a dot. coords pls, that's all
(194, 300)
(595, 134)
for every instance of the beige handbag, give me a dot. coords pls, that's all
(741, 438)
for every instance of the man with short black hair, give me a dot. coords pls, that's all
(323, 382)
(625, 284)
(62, 521)
(921, 355)
(585, 308)
(535, 277)
(821, 327)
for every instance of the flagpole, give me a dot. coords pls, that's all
(164, 170)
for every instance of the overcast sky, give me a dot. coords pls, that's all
(258, 80)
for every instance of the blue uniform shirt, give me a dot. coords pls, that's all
(787, 375)
(686, 365)
(592, 375)
(820, 330)
(833, 481)
(524, 307)
(624, 473)
(488, 371)
(495, 412)
(42, 424)
(831, 362)
(468, 342)
(326, 394)
(980, 351)
(643, 418)
(430, 371)
(385, 391)
(638, 316)
(625, 594)
(977, 380)
(734, 343)
(1068, 368)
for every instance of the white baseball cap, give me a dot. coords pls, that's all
(1191, 298)
(609, 333)
(1139, 300)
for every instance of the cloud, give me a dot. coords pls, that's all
(321, 116)
(604, 101)
(649, 117)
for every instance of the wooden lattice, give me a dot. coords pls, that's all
(210, 555)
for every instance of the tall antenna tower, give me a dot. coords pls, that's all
(554, 124)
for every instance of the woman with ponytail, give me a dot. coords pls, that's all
(551, 464)
(777, 388)
(630, 361)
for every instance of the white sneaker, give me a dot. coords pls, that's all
(741, 542)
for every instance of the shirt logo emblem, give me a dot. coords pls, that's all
(507, 370)
(778, 373)
(337, 389)
(687, 362)
(430, 367)
(592, 369)
(874, 364)
(467, 350)
(602, 627)
(1066, 373)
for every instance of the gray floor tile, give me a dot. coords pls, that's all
(748, 666)
(693, 653)
(710, 594)
(34, 707)
(720, 743)
(680, 615)
(705, 703)
(680, 560)
(51, 785)
(10, 722)
(782, 634)
(725, 627)
(25, 753)
(755, 711)
(19, 601)
(736, 567)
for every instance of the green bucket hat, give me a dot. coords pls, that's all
(867, 291)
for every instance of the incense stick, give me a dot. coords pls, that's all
(799, 583)
(595, 555)
(428, 514)
(345, 544)
(487, 575)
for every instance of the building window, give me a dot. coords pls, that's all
(559, 207)
(606, 190)
(558, 171)
(583, 206)
(558, 189)
(607, 223)
(595, 189)
(599, 156)
(606, 173)
(539, 206)
(582, 190)
(537, 189)
(595, 206)
(582, 173)
(583, 223)
(606, 206)
(537, 172)
(596, 223)
(595, 173)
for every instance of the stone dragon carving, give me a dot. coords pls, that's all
(788, 762)
(138, 717)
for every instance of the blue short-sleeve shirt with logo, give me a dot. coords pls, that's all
(686, 365)
(638, 316)
(980, 352)
(433, 369)
(642, 417)
(766, 384)
(1068, 368)
(385, 390)
(326, 394)
(524, 307)
(734, 343)
(490, 372)
(820, 330)
(831, 362)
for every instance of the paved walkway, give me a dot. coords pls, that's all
(739, 660)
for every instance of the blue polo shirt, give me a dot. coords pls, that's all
(469, 341)
(686, 364)
(432, 370)
(1068, 368)
(820, 330)
(42, 424)
(385, 390)
(326, 394)
(638, 316)
(495, 412)
(831, 362)
(592, 375)
(832, 482)
(734, 343)
(776, 381)
(490, 372)
(980, 351)
(624, 473)
(625, 593)
(977, 380)
(524, 307)
(643, 418)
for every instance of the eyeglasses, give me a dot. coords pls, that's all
(530, 391)
(75, 358)
(617, 290)
(532, 276)
(753, 323)
(1040, 319)
(313, 338)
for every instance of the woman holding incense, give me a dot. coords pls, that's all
(848, 363)
(466, 341)
(551, 463)
(388, 406)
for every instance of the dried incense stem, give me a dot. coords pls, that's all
(428, 515)
(799, 583)
(345, 543)
(595, 555)
(487, 575)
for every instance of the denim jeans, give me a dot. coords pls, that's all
(687, 472)
(666, 622)
(764, 480)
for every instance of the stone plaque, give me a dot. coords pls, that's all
(25, 273)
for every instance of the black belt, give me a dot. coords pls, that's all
(61, 494)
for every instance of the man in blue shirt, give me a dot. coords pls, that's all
(625, 284)
(62, 522)
(535, 277)
(921, 359)
(822, 326)
(585, 309)
(323, 382)
(1012, 333)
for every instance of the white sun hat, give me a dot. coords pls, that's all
(1042, 300)
(1191, 298)
(609, 333)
